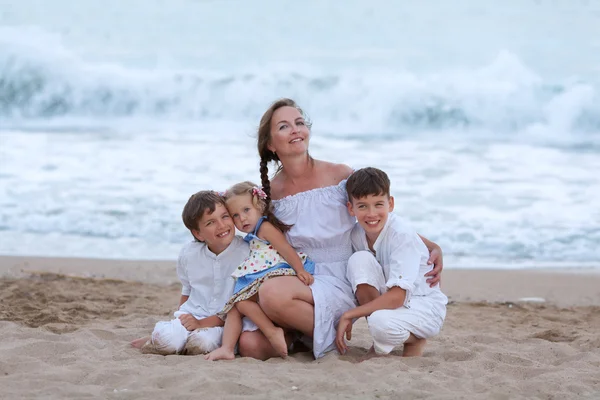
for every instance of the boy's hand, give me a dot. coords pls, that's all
(306, 278)
(189, 322)
(435, 258)
(344, 327)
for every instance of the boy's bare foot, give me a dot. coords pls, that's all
(138, 343)
(220, 354)
(277, 340)
(414, 347)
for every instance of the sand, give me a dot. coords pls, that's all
(66, 325)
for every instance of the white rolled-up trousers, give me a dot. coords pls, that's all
(171, 337)
(391, 328)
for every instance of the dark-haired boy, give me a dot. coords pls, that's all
(204, 268)
(387, 272)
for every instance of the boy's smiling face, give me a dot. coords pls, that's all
(216, 229)
(371, 212)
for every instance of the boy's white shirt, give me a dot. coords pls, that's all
(206, 277)
(402, 255)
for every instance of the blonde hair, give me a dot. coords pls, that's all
(264, 205)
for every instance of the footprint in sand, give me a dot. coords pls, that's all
(511, 359)
(554, 335)
(458, 355)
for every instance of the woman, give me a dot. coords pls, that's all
(310, 195)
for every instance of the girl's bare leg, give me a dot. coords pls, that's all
(231, 334)
(274, 334)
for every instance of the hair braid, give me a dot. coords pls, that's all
(266, 155)
(266, 183)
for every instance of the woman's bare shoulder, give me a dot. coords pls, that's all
(337, 172)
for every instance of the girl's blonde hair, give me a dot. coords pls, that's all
(262, 204)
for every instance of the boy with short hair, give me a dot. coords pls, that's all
(204, 268)
(387, 272)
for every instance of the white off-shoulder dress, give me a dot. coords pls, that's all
(322, 227)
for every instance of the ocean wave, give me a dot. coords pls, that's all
(41, 80)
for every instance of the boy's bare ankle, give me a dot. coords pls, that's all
(415, 348)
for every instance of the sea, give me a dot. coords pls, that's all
(485, 114)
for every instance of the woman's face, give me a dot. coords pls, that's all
(289, 133)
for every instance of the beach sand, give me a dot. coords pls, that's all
(66, 325)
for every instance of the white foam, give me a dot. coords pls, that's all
(43, 80)
(532, 300)
(491, 140)
(495, 202)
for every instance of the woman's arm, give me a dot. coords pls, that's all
(273, 235)
(435, 258)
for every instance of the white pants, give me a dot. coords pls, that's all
(423, 316)
(171, 337)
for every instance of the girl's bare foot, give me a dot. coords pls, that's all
(277, 339)
(221, 353)
(414, 347)
(138, 343)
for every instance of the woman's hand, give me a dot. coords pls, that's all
(344, 327)
(306, 278)
(435, 258)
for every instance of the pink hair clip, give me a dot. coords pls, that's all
(256, 191)
(222, 194)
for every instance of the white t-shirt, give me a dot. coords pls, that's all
(402, 255)
(206, 277)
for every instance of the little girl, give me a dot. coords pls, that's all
(270, 255)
